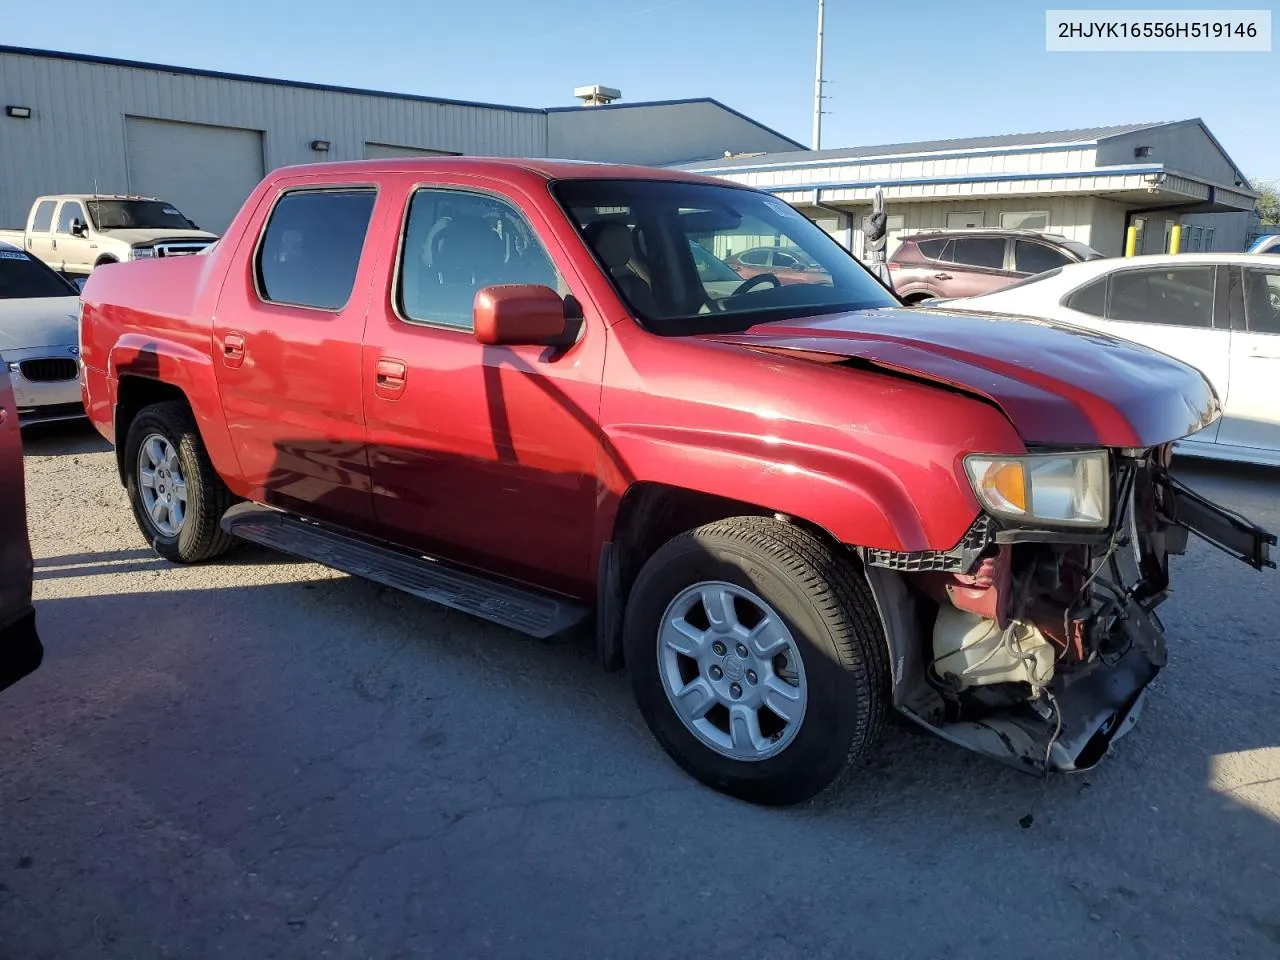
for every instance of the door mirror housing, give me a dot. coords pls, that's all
(514, 314)
(79, 228)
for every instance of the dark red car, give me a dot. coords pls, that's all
(966, 263)
(20, 647)
(787, 508)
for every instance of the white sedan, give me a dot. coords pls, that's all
(1219, 312)
(39, 338)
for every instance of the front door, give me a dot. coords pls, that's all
(485, 455)
(971, 266)
(72, 252)
(287, 350)
(1252, 417)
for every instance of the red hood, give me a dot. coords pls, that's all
(1057, 384)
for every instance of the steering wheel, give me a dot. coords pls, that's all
(751, 284)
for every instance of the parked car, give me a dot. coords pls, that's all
(1219, 312)
(790, 265)
(1267, 243)
(965, 263)
(789, 509)
(20, 648)
(39, 338)
(76, 233)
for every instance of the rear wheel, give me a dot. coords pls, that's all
(757, 658)
(178, 499)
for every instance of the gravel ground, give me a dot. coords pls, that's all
(262, 758)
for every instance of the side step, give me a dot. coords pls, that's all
(530, 612)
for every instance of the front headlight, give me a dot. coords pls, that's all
(142, 253)
(1067, 489)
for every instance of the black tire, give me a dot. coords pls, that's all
(826, 604)
(200, 537)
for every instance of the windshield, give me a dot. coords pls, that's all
(22, 278)
(690, 258)
(136, 215)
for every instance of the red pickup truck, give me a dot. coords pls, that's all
(787, 508)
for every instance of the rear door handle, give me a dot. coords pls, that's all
(233, 349)
(390, 378)
(942, 276)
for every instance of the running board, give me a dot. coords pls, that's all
(519, 608)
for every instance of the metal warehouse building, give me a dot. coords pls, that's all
(202, 140)
(1090, 185)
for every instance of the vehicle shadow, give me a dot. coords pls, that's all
(62, 438)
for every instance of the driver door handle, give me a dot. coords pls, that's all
(942, 276)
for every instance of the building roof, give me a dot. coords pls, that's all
(1042, 138)
(360, 91)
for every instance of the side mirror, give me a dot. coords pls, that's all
(512, 314)
(79, 228)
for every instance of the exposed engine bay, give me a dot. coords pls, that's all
(1036, 646)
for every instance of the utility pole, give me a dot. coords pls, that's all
(817, 87)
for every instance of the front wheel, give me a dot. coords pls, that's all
(178, 499)
(757, 658)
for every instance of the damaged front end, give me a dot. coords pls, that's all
(1034, 642)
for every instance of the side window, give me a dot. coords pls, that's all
(1173, 296)
(1032, 257)
(70, 212)
(1090, 299)
(755, 258)
(1262, 300)
(980, 252)
(311, 248)
(785, 260)
(43, 219)
(931, 248)
(455, 243)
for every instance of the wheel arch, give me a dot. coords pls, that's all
(148, 371)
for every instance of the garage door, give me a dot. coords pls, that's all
(387, 151)
(206, 172)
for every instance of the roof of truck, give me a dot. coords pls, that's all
(545, 168)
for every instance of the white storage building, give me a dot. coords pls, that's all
(1090, 185)
(202, 139)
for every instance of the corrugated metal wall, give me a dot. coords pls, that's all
(75, 139)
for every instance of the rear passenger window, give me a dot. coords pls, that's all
(43, 219)
(1177, 296)
(931, 248)
(1090, 299)
(979, 252)
(456, 243)
(311, 248)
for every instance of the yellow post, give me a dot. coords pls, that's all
(1175, 238)
(1130, 241)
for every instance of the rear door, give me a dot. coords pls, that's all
(287, 339)
(1252, 417)
(40, 231)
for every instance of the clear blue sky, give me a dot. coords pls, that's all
(945, 68)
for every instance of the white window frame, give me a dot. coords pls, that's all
(1024, 213)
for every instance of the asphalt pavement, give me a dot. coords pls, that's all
(263, 758)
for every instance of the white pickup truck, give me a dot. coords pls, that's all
(74, 233)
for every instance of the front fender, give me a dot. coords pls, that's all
(856, 499)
